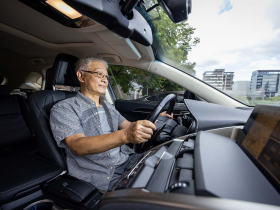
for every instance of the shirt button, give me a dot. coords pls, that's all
(111, 167)
(108, 154)
(108, 177)
(95, 112)
(88, 105)
(98, 126)
(92, 103)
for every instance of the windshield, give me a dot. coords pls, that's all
(232, 45)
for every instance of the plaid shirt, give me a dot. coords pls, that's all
(80, 115)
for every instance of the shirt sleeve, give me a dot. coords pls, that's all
(121, 119)
(64, 122)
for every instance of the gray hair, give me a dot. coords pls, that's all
(84, 63)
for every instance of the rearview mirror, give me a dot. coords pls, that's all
(177, 10)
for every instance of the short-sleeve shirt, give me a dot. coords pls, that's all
(79, 114)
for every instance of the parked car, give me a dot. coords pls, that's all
(160, 95)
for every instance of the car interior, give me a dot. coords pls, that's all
(196, 161)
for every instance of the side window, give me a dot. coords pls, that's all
(131, 83)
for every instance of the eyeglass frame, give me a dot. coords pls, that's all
(97, 72)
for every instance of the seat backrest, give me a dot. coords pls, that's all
(41, 102)
(15, 124)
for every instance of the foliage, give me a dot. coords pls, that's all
(276, 98)
(128, 77)
(173, 42)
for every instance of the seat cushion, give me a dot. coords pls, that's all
(23, 171)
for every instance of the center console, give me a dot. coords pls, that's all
(155, 172)
(70, 192)
(166, 168)
(200, 165)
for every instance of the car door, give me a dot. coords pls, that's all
(135, 101)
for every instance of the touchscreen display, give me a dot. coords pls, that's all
(262, 138)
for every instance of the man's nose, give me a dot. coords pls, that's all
(104, 80)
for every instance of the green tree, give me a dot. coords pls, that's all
(126, 76)
(172, 42)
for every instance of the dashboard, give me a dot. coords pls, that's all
(206, 169)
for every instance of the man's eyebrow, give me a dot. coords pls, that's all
(98, 69)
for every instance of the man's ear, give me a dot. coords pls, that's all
(80, 76)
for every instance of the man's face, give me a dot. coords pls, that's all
(92, 82)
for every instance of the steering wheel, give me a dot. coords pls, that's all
(143, 147)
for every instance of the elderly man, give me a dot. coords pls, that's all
(86, 126)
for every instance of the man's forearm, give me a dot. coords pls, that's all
(135, 133)
(97, 144)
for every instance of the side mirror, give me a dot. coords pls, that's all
(177, 10)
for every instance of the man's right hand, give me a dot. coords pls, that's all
(140, 131)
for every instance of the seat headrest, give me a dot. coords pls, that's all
(63, 72)
(4, 91)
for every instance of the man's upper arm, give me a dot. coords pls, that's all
(64, 123)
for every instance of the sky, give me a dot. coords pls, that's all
(239, 36)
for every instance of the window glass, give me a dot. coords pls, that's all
(136, 84)
(229, 44)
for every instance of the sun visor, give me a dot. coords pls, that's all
(108, 13)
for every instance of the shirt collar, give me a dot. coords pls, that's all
(86, 99)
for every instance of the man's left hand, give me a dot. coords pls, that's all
(166, 115)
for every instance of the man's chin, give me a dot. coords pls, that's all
(101, 92)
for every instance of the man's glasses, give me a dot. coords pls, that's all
(98, 74)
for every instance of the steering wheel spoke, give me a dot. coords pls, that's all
(140, 148)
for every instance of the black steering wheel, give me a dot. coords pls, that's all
(143, 147)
